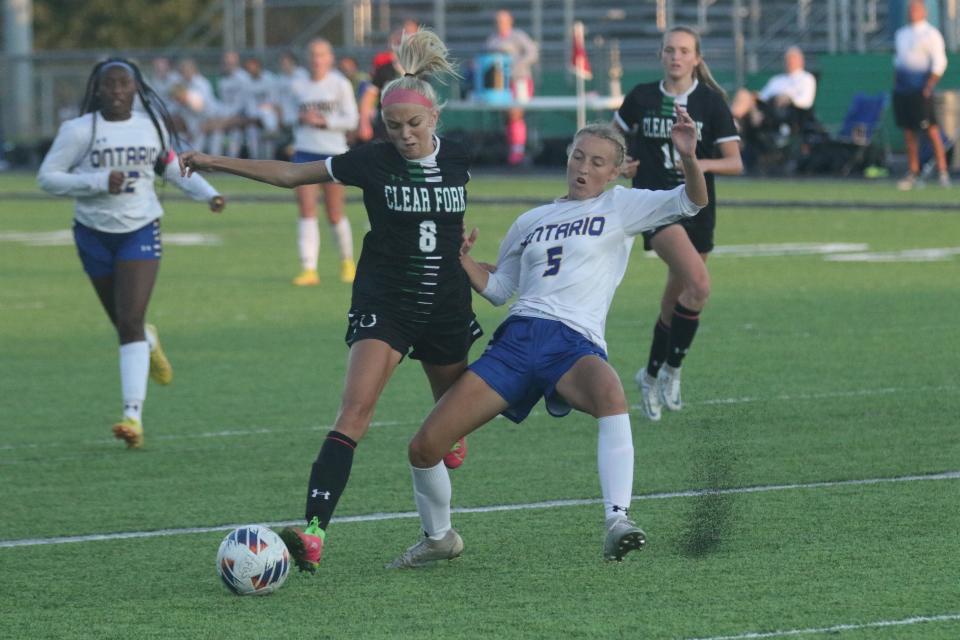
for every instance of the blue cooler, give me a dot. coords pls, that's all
(491, 78)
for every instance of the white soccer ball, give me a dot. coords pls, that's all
(253, 561)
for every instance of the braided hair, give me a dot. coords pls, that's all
(152, 103)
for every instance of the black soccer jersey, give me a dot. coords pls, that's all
(648, 113)
(410, 264)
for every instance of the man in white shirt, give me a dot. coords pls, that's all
(781, 97)
(919, 64)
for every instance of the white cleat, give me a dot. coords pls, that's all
(428, 551)
(669, 382)
(649, 394)
(623, 536)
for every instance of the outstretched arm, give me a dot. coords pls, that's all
(275, 172)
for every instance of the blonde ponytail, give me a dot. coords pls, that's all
(421, 55)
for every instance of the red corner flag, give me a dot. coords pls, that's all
(580, 63)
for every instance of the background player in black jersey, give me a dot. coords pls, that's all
(647, 113)
(411, 293)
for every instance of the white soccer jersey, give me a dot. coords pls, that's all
(568, 257)
(79, 167)
(333, 97)
(233, 90)
(800, 86)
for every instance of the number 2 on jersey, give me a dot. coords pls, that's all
(554, 254)
(428, 236)
(128, 183)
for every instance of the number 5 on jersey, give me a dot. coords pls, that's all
(554, 254)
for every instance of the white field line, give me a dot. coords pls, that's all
(240, 433)
(788, 397)
(547, 504)
(947, 617)
(64, 237)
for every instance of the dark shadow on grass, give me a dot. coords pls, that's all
(708, 518)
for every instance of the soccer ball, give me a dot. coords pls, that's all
(253, 561)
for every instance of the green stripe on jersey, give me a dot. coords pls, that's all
(667, 106)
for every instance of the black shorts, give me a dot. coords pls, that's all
(434, 342)
(700, 233)
(913, 111)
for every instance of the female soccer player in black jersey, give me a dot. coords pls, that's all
(411, 294)
(648, 113)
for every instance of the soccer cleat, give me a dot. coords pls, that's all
(669, 383)
(307, 278)
(348, 270)
(305, 546)
(944, 180)
(623, 536)
(161, 371)
(649, 394)
(457, 455)
(428, 551)
(908, 182)
(130, 431)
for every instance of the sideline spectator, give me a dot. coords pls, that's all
(780, 100)
(523, 53)
(919, 64)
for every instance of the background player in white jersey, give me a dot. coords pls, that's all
(107, 159)
(647, 113)
(411, 294)
(232, 90)
(261, 110)
(327, 110)
(564, 261)
(196, 103)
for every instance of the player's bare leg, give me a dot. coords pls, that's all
(441, 378)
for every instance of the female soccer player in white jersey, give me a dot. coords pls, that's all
(107, 159)
(411, 294)
(327, 110)
(563, 260)
(647, 113)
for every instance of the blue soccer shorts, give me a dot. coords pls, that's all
(100, 251)
(525, 360)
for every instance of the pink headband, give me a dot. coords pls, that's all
(406, 96)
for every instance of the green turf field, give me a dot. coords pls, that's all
(822, 406)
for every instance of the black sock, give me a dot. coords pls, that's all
(683, 328)
(329, 476)
(659, 347)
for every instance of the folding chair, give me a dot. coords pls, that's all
(859, 131)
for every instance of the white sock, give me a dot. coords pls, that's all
(342, 232)
(432, 492)
(615, 464)
(134, 368)
(308, 239)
